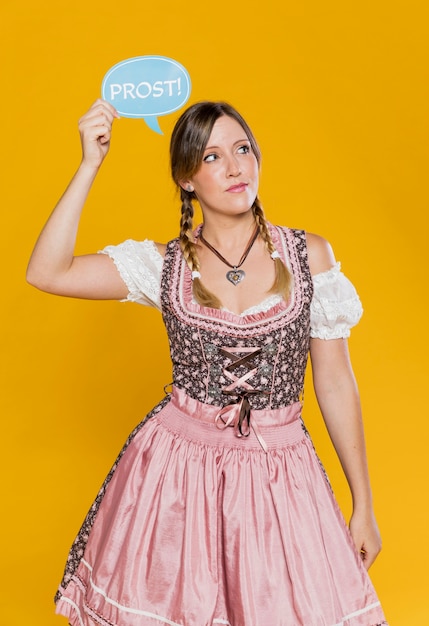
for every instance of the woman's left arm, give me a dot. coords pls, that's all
(338, 398)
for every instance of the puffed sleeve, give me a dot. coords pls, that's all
(140, 264)
(335, 307)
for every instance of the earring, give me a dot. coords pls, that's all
(189, 188)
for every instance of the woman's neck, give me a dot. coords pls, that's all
(229, 233)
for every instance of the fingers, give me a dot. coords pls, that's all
(368, 549)
(95, 128)
(366, 537)
(99, 119)
(368, 556)
(100, 110)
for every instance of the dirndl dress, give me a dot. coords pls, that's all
(217, 510)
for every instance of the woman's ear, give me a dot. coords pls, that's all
(186, 185)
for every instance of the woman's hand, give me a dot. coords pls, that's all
(366, 536)
(95, 129)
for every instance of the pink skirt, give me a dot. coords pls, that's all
(201, 527)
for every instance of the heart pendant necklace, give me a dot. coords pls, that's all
(235, 275)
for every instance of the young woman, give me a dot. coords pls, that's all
(217, 510)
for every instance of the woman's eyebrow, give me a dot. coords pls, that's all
(235, 142)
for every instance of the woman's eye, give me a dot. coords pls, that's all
(209, 157)
(244, 149)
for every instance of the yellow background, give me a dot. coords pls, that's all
(337, 94)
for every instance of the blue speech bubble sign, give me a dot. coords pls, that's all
(147, 87)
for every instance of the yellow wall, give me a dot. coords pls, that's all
(337, 93)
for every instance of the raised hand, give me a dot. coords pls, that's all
(95, 128)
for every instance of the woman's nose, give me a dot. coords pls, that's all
(233, 168)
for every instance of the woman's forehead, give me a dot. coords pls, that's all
(226, 130)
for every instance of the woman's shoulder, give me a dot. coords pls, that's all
(161, 247)
(320, 254)
(319, 251)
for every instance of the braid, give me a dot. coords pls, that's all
(202, 295)
(283, 280)
(258, 212)
(186, 235)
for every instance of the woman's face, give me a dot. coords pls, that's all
(227, 181)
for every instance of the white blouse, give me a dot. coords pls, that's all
(335, 307)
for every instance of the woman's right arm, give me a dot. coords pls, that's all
(53, 267)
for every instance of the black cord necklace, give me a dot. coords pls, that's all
(236, 275)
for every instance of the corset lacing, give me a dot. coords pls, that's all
(237, 412)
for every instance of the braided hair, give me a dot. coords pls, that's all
(188, 142)
(283, 280)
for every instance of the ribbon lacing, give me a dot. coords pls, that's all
(237, 412)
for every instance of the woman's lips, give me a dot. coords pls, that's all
(237, 188)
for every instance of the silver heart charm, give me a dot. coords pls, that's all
(235, 276)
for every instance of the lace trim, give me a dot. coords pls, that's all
(262, 307)
(139, 264)
(335, 307)
(328, 276)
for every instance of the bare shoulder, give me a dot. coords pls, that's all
(161, 247)
(320, 254)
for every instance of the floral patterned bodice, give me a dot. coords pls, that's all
(218, 356)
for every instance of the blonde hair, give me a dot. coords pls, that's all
(188, 141)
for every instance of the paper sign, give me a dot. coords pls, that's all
(147, 87)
